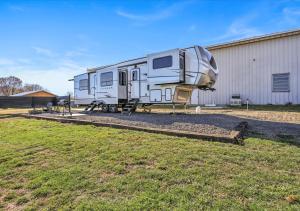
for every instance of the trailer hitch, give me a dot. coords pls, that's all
(207, 89)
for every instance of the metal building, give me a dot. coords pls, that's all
(264, 70)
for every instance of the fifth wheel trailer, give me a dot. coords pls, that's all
(167, 77)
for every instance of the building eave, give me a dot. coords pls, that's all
(254, 39)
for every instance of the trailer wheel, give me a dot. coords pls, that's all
(113, 108)
(105, 108)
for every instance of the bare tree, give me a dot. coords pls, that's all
(10, 85)
(32, 87)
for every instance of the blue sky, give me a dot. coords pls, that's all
(48, 42)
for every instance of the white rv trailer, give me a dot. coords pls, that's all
(160, 78)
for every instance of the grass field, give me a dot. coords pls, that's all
(62, 166)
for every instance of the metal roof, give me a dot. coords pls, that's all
(254, 39)
(29, 92)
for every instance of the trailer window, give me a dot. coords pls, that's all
(213, 62)
(204, 54)
(106, 79)
(83, 84)
(162, 62)
(181, 62)
(134, 75)
(122, 78)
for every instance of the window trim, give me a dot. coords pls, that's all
(82, 88)
(289, 83)
(159, 58)
(106, 82)
(167, 89)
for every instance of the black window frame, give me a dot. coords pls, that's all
(83, 87)
(122, 78)
(134, 75)
(181, 62)
(162, 62)
(104, 81)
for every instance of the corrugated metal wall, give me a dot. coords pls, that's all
(247, 70)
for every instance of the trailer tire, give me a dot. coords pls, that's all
(113, 108)
(105, 108)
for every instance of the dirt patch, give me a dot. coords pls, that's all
(2, 195)
(13, 111)
(274, 116)
(278, 114)
(11, 204)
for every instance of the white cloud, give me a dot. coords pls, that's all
(145, 17)
(238, 29)
(5, 61)
(43, 51)
(291, 16)
(54, 79)
(24, 61)
(76, 53)
(154, 16)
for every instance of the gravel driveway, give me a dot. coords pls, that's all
(206, 124)
(211, 123)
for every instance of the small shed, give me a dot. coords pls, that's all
(39, 93)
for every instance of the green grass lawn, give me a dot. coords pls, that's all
(49, 165)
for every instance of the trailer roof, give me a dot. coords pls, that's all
(210, 47)
(123, 63)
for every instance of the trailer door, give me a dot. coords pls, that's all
(93, 84)
(135, 83)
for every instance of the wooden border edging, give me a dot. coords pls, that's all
(235, 137)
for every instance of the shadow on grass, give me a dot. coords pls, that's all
(7, 116)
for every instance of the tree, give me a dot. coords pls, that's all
(32, 87)
(13, 85)
(10, 85)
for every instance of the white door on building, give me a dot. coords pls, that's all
(135, 83)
